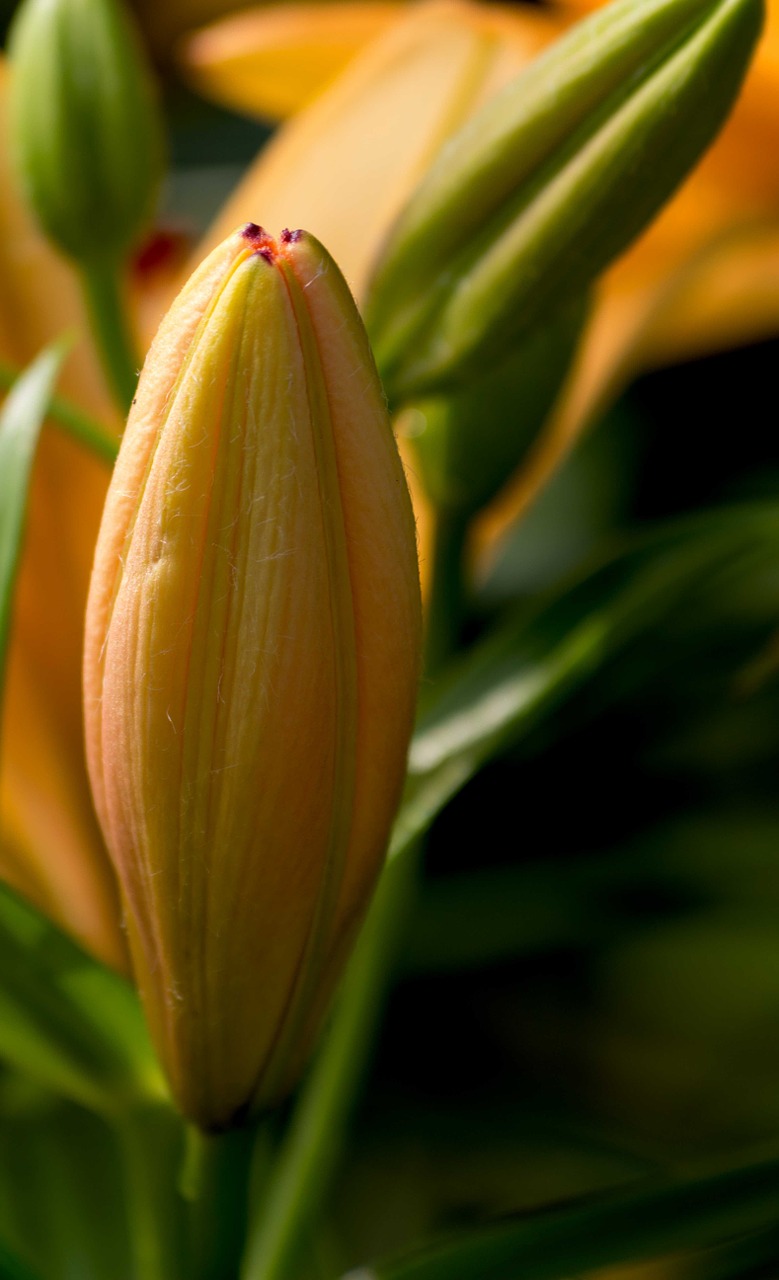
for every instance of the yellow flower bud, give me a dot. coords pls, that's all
(252, 649)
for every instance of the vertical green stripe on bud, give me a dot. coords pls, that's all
(551, 181)
(85, 126)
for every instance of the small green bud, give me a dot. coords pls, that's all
(468, 443)
(550, 181)
(84, 125)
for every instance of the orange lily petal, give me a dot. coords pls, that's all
(273, 61)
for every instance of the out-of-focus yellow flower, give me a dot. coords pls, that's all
(50, 844)
(251, 661)
(281, 58)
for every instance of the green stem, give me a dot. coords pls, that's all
(213, 1180)
(315, 1136)
(153, 1249)
(84, 429)
(111, 330)
(447, 595)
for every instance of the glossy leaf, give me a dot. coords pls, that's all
(630, 1226)
(525, 669)
(66, 1022)
(21, 419)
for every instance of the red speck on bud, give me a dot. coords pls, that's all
(290, 237)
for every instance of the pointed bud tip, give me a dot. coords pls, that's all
(266, 245)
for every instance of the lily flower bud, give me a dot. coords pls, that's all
(252, 653)
(84, 124)
(467, 444)
(550, 181)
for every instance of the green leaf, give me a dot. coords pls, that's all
(528, 666)
(11, 1268)
(21, 420)
(629, 1226)
(83, 1197)
(88, 431)
(67, 1022)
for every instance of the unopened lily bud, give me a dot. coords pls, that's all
(252, 652)
(550, 181)
(468, 444)
(84, 125)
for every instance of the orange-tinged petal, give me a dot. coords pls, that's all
(51, 846)
(272, 61)
(251, 660)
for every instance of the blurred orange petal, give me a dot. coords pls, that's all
(273, 61)
(51, 849)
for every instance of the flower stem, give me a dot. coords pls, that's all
(315, 1136)
(447, 596)
(111, 331)
(153, 1239)
(213, 1181)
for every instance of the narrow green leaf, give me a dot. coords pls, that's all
(67, 1022)
(525, 669)
(629, 1226)
(11, 1268)
(88, 431)
(85, 1197)
(21, 419)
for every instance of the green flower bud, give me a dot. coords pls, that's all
(467, 444)
(550, 181)
(84, 125)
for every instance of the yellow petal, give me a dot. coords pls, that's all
(272, 61)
